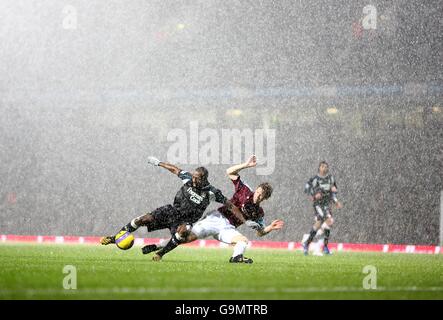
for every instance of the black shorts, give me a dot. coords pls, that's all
(165, 217)
(321, 213)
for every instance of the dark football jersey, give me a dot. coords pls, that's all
(192, 202)
(243, 199)
(323, 185)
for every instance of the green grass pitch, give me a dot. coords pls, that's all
(36, 272)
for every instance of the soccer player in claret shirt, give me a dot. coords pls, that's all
(322, 191)
(222, 223)
(189, 204)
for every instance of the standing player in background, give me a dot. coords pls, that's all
(322, 190)
(222, 223)
(189, 204)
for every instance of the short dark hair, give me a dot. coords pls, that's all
(204, 173)
(267, 189)
(323, 162)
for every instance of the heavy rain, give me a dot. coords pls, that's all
(90, 89)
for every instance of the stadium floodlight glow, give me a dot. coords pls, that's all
(234, 112)
(436, 109)
(332, 110)
(180, 26)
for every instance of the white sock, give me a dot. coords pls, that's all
(133, 224)
(239, 248)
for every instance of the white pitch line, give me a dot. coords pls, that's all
(218, 290)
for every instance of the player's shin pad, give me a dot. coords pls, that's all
(171, 245)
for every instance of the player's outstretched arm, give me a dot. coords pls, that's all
(338, 204)
(275, 225)
(170, 167)
(233, 171)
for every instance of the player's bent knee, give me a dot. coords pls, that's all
(191, 237)
(181, 229)
(240, 239)
(317, 225)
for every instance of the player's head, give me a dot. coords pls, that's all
(200, 177)
(263, 192)
(323, 168)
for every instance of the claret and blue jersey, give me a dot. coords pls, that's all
(243, 199)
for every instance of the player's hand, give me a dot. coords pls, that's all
(252, 224)
(252, 161)
(338, 205)
(154, 161)
(276, 224)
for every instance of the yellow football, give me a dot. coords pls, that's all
(124, 240)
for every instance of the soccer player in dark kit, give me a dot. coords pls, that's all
(222, 223)
(189, 204)
(322, 191)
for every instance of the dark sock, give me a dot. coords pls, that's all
(171, 245)
(311, 236)
(326, 239)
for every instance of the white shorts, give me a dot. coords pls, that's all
(217, 226)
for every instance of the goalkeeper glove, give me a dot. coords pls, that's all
(154, 161)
